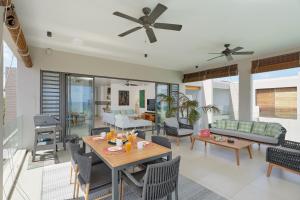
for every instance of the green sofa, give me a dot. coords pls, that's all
(260, 132)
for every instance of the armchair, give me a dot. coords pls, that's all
(174, 128)
(286, 156)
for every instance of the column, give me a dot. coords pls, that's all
(245, 91)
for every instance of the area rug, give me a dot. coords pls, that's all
(56, 185)
(42, 159)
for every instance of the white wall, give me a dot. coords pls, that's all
(29, 79)
(292, 125)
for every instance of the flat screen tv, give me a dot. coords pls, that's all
(151, 105)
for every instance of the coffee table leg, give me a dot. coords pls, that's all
(237, 155)
(193, 142)
(249, 151)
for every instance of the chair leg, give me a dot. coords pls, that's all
(177, 141)
(121, 189)
(176, 193)
(71, 174)
(75, 181)
(191, 138)
(87, 191)
(269, 171)
(77, 190)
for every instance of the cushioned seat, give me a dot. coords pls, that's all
(225, 132)
(184, 131)
(258, 138)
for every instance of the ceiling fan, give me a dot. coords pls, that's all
(130, 84)
(148, 21)
(229, 52)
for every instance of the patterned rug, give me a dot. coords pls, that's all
(56, 186)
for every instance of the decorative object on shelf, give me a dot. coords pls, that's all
(230, 140)
(123, 98)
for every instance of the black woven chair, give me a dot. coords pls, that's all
(157, 182)
(141, 134)
(286, 156)
(94, 180)
(174, 128)
(72, 149)
(98, 131)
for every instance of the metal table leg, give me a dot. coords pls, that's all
(115, 184)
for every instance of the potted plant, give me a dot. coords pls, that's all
(191, 107)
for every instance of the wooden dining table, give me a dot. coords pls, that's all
(118, 161)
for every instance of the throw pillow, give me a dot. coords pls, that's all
(232, 124)
(221, 124)
(273, 129)
(259, 128)
(245, 126)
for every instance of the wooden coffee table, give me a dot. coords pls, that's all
(237, 145)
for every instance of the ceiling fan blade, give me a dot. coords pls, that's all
(215, 57)
(243, 53)
(128, 17)
(229, 57)
(130, 31)
(215, 53)
(151, 35)
(236, 49)
(174, 27)
(157, 11)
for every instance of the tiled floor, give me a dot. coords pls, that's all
(216, 169)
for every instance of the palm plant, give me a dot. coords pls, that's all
(188, 106)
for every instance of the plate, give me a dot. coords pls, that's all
(98, 138)
(145, 142)
(113, 141)
(115, 148)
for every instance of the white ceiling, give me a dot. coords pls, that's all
(89, 28)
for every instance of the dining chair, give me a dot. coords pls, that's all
(163, 141)
(72, 149)
(94, 180)
(141, 134)
(156, 182)
(98, 131)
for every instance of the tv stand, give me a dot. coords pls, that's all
(149, 116)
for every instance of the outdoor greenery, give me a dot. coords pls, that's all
(186, 106)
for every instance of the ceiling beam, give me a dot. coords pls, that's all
(14, 27)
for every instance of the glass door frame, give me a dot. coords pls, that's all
(67, 98)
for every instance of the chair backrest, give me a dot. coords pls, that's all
(141, 134)
(161, 179)
(98, 131)
(45, 120)
(172, 121)
(163, 141)
(84, 167)
(72, 149)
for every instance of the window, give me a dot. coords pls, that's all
(277, 102)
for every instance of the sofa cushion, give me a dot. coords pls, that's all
(258, 138)
(221, 124)
(130, 112)
(232, 125)
(214, 125)
(172, 122)
(245, 126)
(184, 131)
(273, 129)
(224, 132)
(259, 128)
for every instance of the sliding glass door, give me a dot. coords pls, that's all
(161, 106)
(79, 105)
